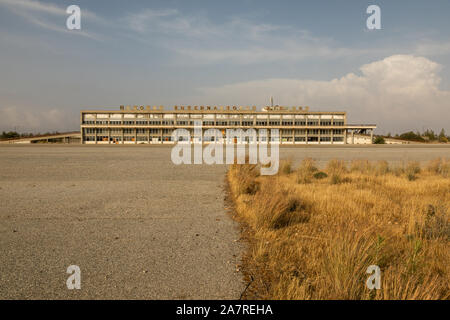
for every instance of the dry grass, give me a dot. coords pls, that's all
(312, 236)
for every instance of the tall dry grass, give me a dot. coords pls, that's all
(312, 236)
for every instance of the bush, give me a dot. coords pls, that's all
(412, 136)
(276, 208)
(245, 177)
(306, 170)
(379, 140)
(285, 167)
(320, 175)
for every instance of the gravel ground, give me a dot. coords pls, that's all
(138, 226)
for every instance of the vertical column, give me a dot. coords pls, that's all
(81, 128)
(95, 119)
(371, 136)
(109, 135)
(332, 136)
(353, 136)
(135, 133)
(345, 136)
(306, 136)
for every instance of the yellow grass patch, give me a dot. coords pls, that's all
(312, 236)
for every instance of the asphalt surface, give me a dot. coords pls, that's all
(138, 226)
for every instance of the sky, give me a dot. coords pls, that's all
(303, 53)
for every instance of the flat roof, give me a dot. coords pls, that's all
(217, 111)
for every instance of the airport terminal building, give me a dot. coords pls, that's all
(154, 125)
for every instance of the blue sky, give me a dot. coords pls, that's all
(315, 53)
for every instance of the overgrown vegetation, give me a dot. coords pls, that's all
(427, 136)
(312, 234)
(16, 135)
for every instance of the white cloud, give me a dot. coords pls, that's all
(398, 93)
(235, 40)
(25, 120)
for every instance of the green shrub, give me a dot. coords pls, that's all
(379, 140)
(320, 175)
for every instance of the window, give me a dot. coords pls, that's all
(300, 139)
(128, 131)
(325, 122)
(247, 123)
(338, 122)
(313, 122)
(325, 138)
(261, 122)
(300, 122)
(274, 123)
(287, 123)
(338, 139)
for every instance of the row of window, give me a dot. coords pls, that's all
(117, 139)
(130, 131)
(218, 123)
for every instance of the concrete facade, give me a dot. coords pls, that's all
(154, 125)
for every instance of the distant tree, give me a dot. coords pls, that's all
(411, 136)
(389, 135)
(379, 140)
(429, 133)
(442, 137)
(9, 135)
